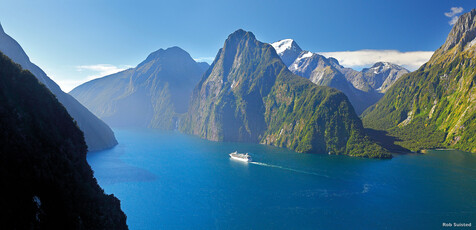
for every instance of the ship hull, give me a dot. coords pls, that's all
(240, 159)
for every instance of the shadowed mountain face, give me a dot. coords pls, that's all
(363, 88)
(97, 134)
(249, 95)
(46, 181)
(153, 94)
(435, 106)
(203, 65)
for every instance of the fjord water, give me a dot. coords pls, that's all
(168, 180)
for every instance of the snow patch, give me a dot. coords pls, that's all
(294, 66)
(376, 69)
(283, 45)
(306, 55)
(303, 55)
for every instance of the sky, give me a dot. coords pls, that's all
(77, 41)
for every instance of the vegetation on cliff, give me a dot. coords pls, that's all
(46, 181)
(249, 95)
(435, 106)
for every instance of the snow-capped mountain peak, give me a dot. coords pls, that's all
(287, 49)
(285, 44)
(380, 67)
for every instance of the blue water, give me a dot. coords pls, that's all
(168, 180)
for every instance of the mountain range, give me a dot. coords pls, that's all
(273, 94)
(363, 88)
(249, 95)
(435, 106)
(46, 180)
(246, 95)
(98, 135)
(154, 94)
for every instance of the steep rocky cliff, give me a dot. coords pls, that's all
(46, 181)
(435, 106)
(249, 95)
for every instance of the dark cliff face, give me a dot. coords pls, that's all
(249, 95)
(435, 106)
(46, 181)
(98, 135)
(154, 94)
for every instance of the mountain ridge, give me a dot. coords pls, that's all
(359, 86)
(153, 94)
(47, 182)
(98, 135)
(249, 95)
(435, 106)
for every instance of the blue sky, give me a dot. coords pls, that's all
(74, 41)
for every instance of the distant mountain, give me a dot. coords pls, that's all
(363, 88)
(249, 95)
(288, 50)
(203, 65)
(153, 94)
(46, 180)
(380, 76)
(435, 106)
(98, 135)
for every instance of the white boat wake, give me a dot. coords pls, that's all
(289, 169)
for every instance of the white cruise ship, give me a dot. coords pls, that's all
(240, 156)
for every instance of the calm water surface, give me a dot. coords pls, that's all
(168, 180)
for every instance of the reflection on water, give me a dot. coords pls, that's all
(114, 170)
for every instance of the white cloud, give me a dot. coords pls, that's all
(453, 20)
(87, 73)
(100, 70)
(454, 11)
(205, 59)
(364, 58)
(454, 14)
